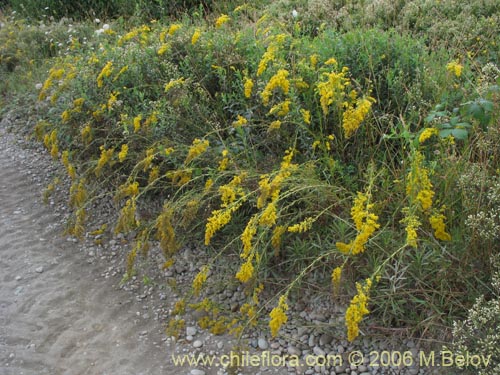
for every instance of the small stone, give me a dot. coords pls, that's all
(340, 349)
(191, 331)
(362, 369)
(318, 351)
(39, 269)
(18, 278)
(112, 242)
(11, 355)
(220, 345)
(197, 344)
(262, 343)
(195, 371)
(189, 338)
(292, 350)
(325, 339)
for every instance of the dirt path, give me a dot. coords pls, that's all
(57, 315)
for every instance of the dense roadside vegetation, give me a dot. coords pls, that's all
(354, 146)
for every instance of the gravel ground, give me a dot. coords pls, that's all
(63, 309)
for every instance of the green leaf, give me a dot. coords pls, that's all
(461, 134)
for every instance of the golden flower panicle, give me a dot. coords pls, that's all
(217, 221)
(353, 116)
(120, 72)
(455, 68)
(71, 171)
(246, 271)
(77, 194)
(248, 86)
(265, 190)
(163, 48)
(336, 276)
(198, 147)
(195, 37)
(66, 116)
(278, 232)
(223, 18)
(174, 83)
(280, 109)
(275, 125)
(174, 28)
(247, 236)
(86, 134)
(127, 220)
(208, 185)
(267, 57)
(303, 226)
(123, 152)
(278, 316)
(365, 222)
(137, 123)
(65, 158)
(106, 71)
(190, 212)
(418, 185)
(106, 155)
(306, 116)
(332, 89)
(331, 61)
(313, 60)
(112, 100)
(154, 174)
(437, 223)
(279, 80)
(269, 215)
(426, 134)
(224, 162)
(200, 280)
(165, 232)
(248, 312)
(412, 224)
(240, 121)
(357, 309)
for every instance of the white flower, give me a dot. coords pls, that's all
(97, 20)
(295, 14)
(38, 86)
(105, 26)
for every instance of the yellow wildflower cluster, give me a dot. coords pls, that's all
(86, 134)
(354, 115)
(279, 80)
(412, 224)
(112, 100)
(332, 88)
(224, 162)
(267, 57)
(127, 220)
(50, 142)
(163, 48)
(200, 279)
(278, 316)
(198, 147)
(195, 37)
(223, 18)
(127, 190)
(123, 152)
(306, 116)
(248, 86)
(165, 232)
(303, 226)
(106, 155)
(365, 222)
(357, 309)
(269, 215)
(77, 194)
(437, 223)
(54, 74)
(174, 83)
(278, 232)
(246, 271)
(280, 109)
(240, 121)
(180, 177)
(455, 68)
(418, 184)
(142, 31)
(336, 276)
(217, 220)
(106, 71)
(174, 28)
(275, 125)
(426, 134)
(120, 72)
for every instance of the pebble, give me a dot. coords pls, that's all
(262, 343)
(39, 269)
(292, 350)
(318, 351)
(195, 371)
(197, 344)
(220, 345)
(18, 278)
(191, 331)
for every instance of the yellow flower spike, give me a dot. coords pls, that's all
(197, 148)
(247, 236)
(332, 89)
(195, 37)
(455, 68)
(303, 226)
(279, 80)
(426, 134)
(174, 28)
(276, 238)
(278, 316)
(200, 279)
(123, 153)
(163, 48)
(222, 20)
(137, 123)
(275, 125)
(240, 121)
(269, 215)
(353, 116)
(336, 276)
(357, 309)
(306, 116)
(246, 271)
(248, 86)
(106, 71)
(437, 223)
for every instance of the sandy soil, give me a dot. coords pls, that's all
(57, 316)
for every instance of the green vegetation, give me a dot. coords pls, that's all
(361, 146)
